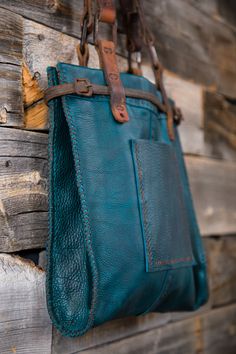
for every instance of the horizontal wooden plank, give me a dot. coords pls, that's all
(221, 254)
(63, 15)
(219, 121)
(11, 38)
(209, 333)
(223, 11)
(23, 189)
(25, 326)
(213, 186)
(115, 330)
(198, 134)
(194, 45)
(227, 10)
(110, 331)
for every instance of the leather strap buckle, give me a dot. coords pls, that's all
(83, 87)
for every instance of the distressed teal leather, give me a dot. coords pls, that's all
(123, 234)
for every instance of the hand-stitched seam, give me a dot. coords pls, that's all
(173, 261)
(85, 217)
(148, 239)
(144, 207)
(183, 207)
(86, 227)
(52, 133)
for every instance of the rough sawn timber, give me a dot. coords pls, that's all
(23, 189)
(25, 326)
(11, 39)
(209, 333)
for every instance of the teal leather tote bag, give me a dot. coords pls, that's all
(123, 237)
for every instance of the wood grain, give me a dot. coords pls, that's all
(201, 113)
(213, 186)
(194, 45)
(62, 15)
(23, 189)
(221, 254)
(110, 331)
(25, 326)
(209, 333)
(59, 47)
(11, 39)
(222, 11)
(200, 334)
(181, 27)
(219, 120)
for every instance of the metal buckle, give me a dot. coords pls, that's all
(83, 87)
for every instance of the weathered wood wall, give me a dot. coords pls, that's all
(197, 44)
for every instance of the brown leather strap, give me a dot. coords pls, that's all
(83, 87)
(107, 54)
(138, 33)
(133, 13)
(112, 75)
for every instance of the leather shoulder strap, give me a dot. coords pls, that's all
(107, 55)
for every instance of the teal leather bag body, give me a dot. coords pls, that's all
(123, 234)
(123, 237)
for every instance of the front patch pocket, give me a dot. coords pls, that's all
(163, 213)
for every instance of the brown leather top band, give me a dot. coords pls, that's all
(83, 87)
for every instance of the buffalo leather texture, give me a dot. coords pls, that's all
(123, 236)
